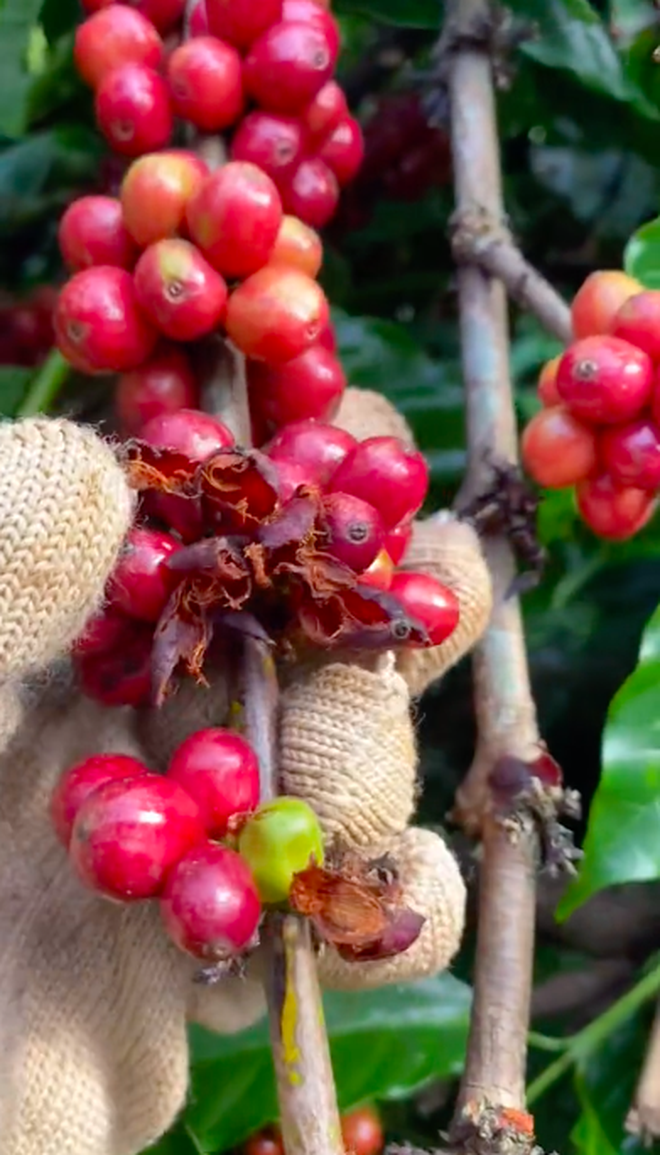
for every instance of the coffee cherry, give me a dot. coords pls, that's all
(547, 385)
(311, 192)
(199, 21)
(557, 449)
(397, 541)
(81, 780)
(380, 573)
(638, 321)
(343, 150)
(163, 384)
(599, 299)
(276, 314)
(308, 387)
(385, 471)
(612, 511)
(279, 840)
(265, 1142)
(235, 217)
(179, 290)
(604, 380)
(133, 110)
(324, 113)
(140, 584)
(220, 770)
(92, 232)
(107, 631)
(274, 143)
(114, 37)
(311, 12)
(128, 835)
(354, 529)
(318, 448)
(362, 1132)
(299, 247)
(155, 191)
(164, 14)
(210, 905)
(241, 21)
(206, 83)
(197, 435)
(328, 338)
(631, 454)
(99, 326)
(120, 676)
(432, 604)
(290, 476)
(287, 65)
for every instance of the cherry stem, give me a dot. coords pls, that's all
(45, 385)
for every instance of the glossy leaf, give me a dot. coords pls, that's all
(17, 18)
(406, 13)
(642, 255)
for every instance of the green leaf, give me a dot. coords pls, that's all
(384, 1045)
(623, 835)
(38, 174)
(14, 381)
(406, 13)
(641, 256)
(17, 18)
(588, 1135)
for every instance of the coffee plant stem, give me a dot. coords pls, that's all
(45, 385)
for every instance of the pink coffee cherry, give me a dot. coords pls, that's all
(317, 447)
(385, 471)
(179, 290)
(311, 192)
(288, 65)
(210, 905)
(432, 604)
(614, 512)
(92, 232)
(631, 454)
(355, 531)
(99, 325)
(120, 675)
(271, 141)
(81, 780)
(206, 85)
(164, 384)
(240, 22)
(219, 769)
(343, 150)
(141, 583)
(133, 110)
(113, 37)
(309, 387)
(605, 380)
(235, 218)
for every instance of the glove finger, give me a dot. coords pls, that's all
(365, 413)
(234, 1004)
(432, 886)
(64, 510)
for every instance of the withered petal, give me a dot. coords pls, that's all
(180, 638)
(159, 470)
(403, 928)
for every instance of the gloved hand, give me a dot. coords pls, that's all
(94, 999)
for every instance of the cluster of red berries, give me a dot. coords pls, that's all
(26, 328)
(361, 1131)
(194, 838)
(599, 429)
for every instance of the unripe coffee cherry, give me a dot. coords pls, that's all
(299, 247)
(206, 84)
(163, 384)
(308, 387)
(318, 448)
(599, 299)
(311, 192)
(280, 839)
(92, 232)
(81, 780)
(612, 511)
(114, 37)
(210, 905)
(429, 602)
(604, 380)
(343, 150)
(179, 290)
(220, 770)
(387, 472)
(631, 454)
(271, 141)
(355, 531)
(133, 110)
(99, 325)
(235, 218)
(155, 191)
(129, 834)
(288, 65)
(276, 314)
(557, 449)
(240, 22)
(141, 584)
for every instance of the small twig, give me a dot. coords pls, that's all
(644, 1115)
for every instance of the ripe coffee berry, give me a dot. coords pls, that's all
(362, 1132)
(638, 321)
(604, 380)
(197, 435)
(354, 529)
(324, 113)
(133, 110)
(99, 325)
(385, 471)
(179, 290)
(309, 387)
(241, 21)
(163, 384)
(343, 150)
(290, 476)
(276, 314)
(113, 37)
(121, 675)
(612, 511)
(235, 217)
(220, 770)
(547, 385)
(199, 22)
(328, 338)
(81, 780)
(631, 454)
(206, 83)
(599, 299)
(311, 12)
(274, 143)
(311, 192)
(278, 841)
(288, 65)
(299, 247)
(155, 191)
(210, 904)
(397, 541)
(433, 605)
(265, 1142)
(557, 449)
(318, 448)
(129, 834)
(140, 584)
(92, 232)
(104, 633)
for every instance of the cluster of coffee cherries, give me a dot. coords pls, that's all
(195, 839)
(361, 1131)
(599, 428)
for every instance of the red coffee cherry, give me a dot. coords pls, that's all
(104, 633)
(273, 142)
(276, 314)
(240, 22)
(318, 448)
(328, 338)
(92, 232)
(599, 299)
(355, 531)
(133, 110)
(604, 380)
(199, 21)
(235, 217)
(290, 476)
(547, 385)
(343, 150)
(433, 605)
(129, 834)
(324, 113)
(220, 770)
(205, 79)
(631, 454)
(163, 384)
(81, 780)
(210, 905)
(397, 541)
(266, 1142)
(557, 449)
(311, 192)
(362, 1132)
(299, 247)
(155, 191)
(164, 14)
(179, 290)
(287, 65)
(311, 12)
(387, 472)
(612, 511)
(114, 37)
(307, 387)
(140, 584)
(638, 321)
(120, 676)
(99, 325)
(197, 435)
